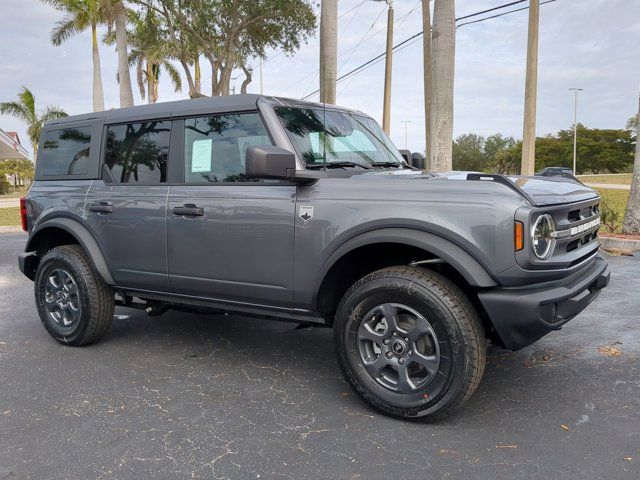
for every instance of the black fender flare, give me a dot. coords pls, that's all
(84, 238)
(463, 262)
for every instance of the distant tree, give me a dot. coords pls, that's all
(79, 16)
(19, 169)
(24, 109)
(599, 150)
(229, 33)
(631, 222)
(468, 153)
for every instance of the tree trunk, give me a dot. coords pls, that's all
(443, 54)
(193, 92)
(126, 93)
(198, 75)
(631, 222)
(149, 74)
(428, 78)
(98, 92)
(246, 81)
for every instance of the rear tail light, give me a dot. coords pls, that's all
(518, 236)
(23, 214)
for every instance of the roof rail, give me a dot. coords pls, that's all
(493, 177)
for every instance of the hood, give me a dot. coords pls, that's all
(538, 190)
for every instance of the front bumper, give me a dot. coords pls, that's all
(522, 315)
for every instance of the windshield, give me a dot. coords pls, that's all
(336, 137)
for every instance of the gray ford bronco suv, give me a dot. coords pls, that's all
(284, 209)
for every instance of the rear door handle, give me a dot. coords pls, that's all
(188, 209)
(101, 207)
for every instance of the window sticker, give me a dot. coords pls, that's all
(201, 156)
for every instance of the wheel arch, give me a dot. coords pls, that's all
(65, 231)
(399, 246)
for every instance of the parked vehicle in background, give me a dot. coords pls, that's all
(554, 171)
(305, 212)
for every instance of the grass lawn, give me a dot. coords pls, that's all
(622, 179)
(616, 202)
(10, 217)
(17, 193)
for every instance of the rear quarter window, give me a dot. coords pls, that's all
(65, 152)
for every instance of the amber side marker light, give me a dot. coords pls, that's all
(518, 236)
(23, 214)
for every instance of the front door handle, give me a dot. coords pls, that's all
(188, 209)
(101, 207)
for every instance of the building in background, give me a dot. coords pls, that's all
(12, 149)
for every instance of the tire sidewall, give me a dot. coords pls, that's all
(420, 297)
(58, 258)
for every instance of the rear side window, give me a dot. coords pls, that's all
(65, 152)
(215, 147)
(137, 152)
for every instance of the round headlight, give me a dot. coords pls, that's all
(542, 236)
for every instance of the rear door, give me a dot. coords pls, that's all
(126, 209)
(229, 238)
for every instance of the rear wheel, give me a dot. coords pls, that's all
(74, 304)
(410, 342)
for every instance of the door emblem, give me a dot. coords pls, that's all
(306, 213)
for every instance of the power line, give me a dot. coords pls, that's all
(374, 60)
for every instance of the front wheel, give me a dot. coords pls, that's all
(410, 342)
(75, 305)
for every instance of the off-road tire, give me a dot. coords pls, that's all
(95, 297)
(454, 320)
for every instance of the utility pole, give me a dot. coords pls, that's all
(261, 79)
(428, 75)
(386, 110)
(328, 50)
(575, 126)
(530, 92)
(406, 133)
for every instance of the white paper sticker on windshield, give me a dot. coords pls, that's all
(201, 156)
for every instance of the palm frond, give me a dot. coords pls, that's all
(140, 77)
(64, 29)
(52, 113)
(174, 74)
(26, 98)
(16, 110)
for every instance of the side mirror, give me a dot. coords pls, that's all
(417, 160)
(406, 154)
(270, 162)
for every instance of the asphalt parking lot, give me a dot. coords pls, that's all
(195, 396)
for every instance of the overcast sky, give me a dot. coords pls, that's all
(591, 44)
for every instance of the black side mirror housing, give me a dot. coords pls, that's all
(406, 154)
(417, 160)
(267, 161)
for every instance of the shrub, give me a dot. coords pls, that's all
(5, 186)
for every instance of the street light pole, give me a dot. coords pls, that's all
(406, 133)
(575, 126)
(386, 110)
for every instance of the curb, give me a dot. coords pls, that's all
(10, 229)
(619, 243)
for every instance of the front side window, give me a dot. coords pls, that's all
(137, 152)
(65, 151)
(331, 136)
(215, 147)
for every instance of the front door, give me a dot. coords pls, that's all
(126, 210)
(229, 238)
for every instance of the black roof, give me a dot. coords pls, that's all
(195, 106)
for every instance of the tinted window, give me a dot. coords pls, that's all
(65, 152)
(137, 152)
(215, 147)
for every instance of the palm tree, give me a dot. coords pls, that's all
(80, 15)
(24, 109)
(117, 14)
(443, 57)
(631, 222)
(150, 53)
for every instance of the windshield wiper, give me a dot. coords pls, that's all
(388, 164)
(338, 165)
